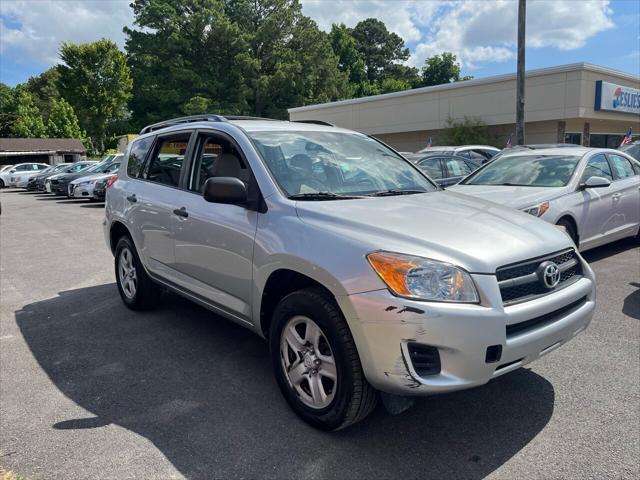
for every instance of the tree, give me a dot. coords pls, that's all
(63, 122)
(441, 69)
(349, 58)
(379, 48)
(8, 106)
(469, 131)
(186, 56)
(28, 123)
(44, 89)
(96, 81)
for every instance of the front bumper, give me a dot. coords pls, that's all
(60, 188)
(383, 325)
(81, 191)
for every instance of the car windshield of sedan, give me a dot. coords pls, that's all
(332, 165)
(526, 171)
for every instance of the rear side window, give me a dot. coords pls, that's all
(166, 162)
(621, 167)
(432, 167)
(597, 167)
(137, 154)
(457, 168)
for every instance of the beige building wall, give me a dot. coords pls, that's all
(406, 119)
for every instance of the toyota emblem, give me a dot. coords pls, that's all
(549, 274)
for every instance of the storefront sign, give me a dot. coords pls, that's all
(617, 98)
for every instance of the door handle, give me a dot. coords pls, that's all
(181, 212)
(132, 198)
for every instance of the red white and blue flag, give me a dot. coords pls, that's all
(508, 145)
(429, 142)
(626, 140)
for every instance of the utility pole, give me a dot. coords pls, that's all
(522, 15)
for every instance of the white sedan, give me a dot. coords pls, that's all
(83, 187)
(19, 174)
(593, 194)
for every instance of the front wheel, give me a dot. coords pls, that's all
(316, 363)
(137, 290)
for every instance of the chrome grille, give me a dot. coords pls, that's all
(519, 282)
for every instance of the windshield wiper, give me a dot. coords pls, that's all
(391, 191)
(321, 196)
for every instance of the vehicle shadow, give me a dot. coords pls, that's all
(201, 389)
(93, 205)
(610, 249)
(49, 197)
(72, 201)
(631, 304)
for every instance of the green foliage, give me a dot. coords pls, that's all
(28, 123)
(441, 69)
(44, 89)
(350, 60)
(8, 105)
(63, 122)
(468, 131)
(96, 81)
(379, 47)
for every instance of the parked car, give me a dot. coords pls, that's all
(479, 153)
(36, 182)
(593, 194)
(83, 187)
(632, 149)
(360, 272)
(60, 182)
(12, 176)
(531, 146)
(446, 170)
(101, 187)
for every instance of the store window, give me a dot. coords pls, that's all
(575, 138)
(605, 140)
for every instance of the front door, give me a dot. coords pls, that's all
(214, 241)
(626, 185)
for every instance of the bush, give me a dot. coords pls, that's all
(469, 131)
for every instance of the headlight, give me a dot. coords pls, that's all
(537, 210)
(89, 182)
(419, 278)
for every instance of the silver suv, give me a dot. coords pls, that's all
(361, 273)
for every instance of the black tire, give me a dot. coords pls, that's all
(570, 229)
(1, 183)
(146, 293)
(353, 398)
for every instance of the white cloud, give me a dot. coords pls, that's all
(35, 29)
(478, 32)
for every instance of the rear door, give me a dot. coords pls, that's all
(626, 193)
(149, 197)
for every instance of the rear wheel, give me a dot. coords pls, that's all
(137, 290)
(569, 228)
(316, 362)
(1, 183)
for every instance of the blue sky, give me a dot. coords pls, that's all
(480, 32)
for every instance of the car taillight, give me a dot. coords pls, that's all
(110, 182)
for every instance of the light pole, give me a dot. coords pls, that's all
(522, 15)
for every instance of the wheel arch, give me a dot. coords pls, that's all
(569, 218)
(117, 230)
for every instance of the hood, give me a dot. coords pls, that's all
(475, 234)
(514, 197)
(91, 176)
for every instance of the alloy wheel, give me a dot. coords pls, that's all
(127, 273)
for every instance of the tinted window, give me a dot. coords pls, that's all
(137, 155)
(37, 166)
(167, 159)
(621, 166)
(597, 167)
(431, 166)
(526, 171)
(457, 168)
(22, 168)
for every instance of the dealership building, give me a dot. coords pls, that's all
(578, 103)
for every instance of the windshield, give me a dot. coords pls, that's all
(526, 171)
(336, 164)
(101, 167)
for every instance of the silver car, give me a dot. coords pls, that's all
(367, 280)
(593, 194)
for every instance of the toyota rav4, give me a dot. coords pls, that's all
(367, 280)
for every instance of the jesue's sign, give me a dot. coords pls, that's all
(617, 98)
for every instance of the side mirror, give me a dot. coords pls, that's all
(596, 182)
(13, 170)
(229, 190)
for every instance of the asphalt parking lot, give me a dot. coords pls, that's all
(89, 389)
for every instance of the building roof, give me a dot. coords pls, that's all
(42, 145)
(470, 83)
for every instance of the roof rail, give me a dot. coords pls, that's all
(206, 117)
(179, 120)
(315, 122)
